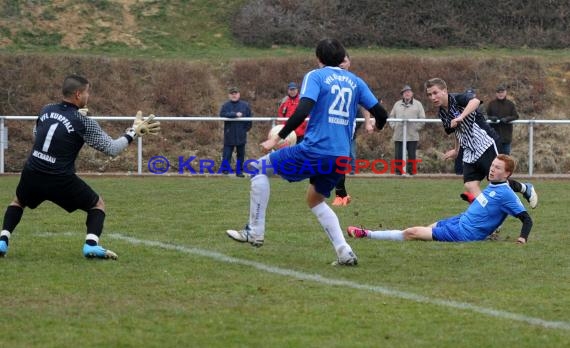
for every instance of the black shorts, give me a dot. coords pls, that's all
(480, 169)
(67, 191)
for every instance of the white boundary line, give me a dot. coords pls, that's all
(346, 283)
(563, 325)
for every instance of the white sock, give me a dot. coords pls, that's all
(5, 233)
(258, 201)
(92, 237)
(330, 223)
(386, 235)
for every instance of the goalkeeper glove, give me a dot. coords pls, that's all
(146, 126)
(143, 127)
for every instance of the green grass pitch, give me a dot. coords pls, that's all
(180, 282)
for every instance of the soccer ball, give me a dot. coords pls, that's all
(289, 141)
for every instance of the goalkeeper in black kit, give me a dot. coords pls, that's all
(49, 173)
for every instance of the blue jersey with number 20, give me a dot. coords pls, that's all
(337, 94)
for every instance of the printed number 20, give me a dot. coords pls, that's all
(341, 103)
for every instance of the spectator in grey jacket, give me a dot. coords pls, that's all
(406, 108)
(235, 133)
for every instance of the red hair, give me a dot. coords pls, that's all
(510, 163)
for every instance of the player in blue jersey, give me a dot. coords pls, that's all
(49, 173)
(487, 212)
(331, 95)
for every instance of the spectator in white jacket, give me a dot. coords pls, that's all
(406, 108)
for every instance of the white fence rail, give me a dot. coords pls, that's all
(4, 142)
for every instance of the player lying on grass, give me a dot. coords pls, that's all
(49, 173)
(487, 212)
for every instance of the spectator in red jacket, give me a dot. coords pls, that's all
(287, 107)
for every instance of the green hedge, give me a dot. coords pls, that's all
(411, 23)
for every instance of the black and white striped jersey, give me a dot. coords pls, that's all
(60, 132)
(473, 139)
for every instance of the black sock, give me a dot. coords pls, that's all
(341, 188)
(94, 223)
(515, 185)
(12, 218)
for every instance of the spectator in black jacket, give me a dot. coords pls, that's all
(501, 112)
(235, 133)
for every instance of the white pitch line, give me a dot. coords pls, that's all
(349, 284)
(563, 325)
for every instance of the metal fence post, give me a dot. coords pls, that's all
(405, 145)
(530, 147)
(139, 155)
(2, 140)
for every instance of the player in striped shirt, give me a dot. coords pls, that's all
(458, 113)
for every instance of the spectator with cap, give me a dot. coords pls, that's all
(287, 107)
(501, 112)
(235, 132)
(406, 108)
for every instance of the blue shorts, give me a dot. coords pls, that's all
(294, 164)
(449, 230)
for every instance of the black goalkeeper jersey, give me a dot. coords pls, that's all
(60, 133)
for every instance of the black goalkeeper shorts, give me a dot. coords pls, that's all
(67, 191)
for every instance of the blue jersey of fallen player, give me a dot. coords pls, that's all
(489, 210)
(337, 94)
